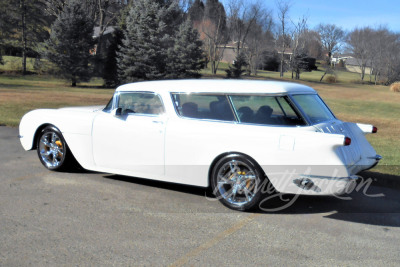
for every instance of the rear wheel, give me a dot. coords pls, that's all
(236, 181)
(52, 149)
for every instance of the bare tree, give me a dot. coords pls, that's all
(359, 45)
(260, 39)
(283, 10)
(241, 18)
(299, 47)
(384, 55)
(214, 41)
(331, 37)
(313, 44)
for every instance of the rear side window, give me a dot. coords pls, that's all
(199, 106)
(268, 110)
(140, 103)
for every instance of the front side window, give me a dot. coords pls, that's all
(269, 110)
(140, 103)
(199, 106)
(314, 108)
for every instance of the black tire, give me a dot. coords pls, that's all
(237, 182)
(52, 150)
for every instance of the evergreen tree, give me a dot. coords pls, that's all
(24, 23)
(70, 43)
(196, 11)
(110, 67)
(149, 48)
(237, 70)
(144, 49)
(215, 11)
(186, 55)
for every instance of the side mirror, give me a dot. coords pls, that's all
(116, 112)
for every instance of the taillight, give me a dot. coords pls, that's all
(374, 129)
(347, 141)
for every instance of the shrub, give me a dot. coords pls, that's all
(395, 87)
(331, 79)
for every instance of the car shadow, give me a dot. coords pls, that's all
(366, 204)
(194, 190)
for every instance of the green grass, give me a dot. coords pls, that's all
(20, 94)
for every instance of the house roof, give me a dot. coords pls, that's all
(108, 30)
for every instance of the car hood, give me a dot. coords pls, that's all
(82, 109)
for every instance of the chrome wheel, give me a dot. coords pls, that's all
(51, 148)
(236, 182)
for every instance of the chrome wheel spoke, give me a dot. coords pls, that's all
(55, 161)
(234, 167)
(222, 183)
(249, 195)
(45, 153)
(233, 194)
(45, 142)
(53, 138)
(250, 177)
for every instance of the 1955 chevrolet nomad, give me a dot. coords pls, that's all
(235, 136)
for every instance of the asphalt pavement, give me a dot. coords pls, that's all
(84, 218)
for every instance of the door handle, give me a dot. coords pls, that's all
(159, 122)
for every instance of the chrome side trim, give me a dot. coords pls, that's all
(351, 177)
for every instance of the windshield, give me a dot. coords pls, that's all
(108, 106)
(314, 108)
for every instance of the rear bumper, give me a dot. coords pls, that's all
(306, 183)
(365, 164)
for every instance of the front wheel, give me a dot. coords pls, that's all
(237, 181)
(52, 149)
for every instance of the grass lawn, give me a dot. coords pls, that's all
(20, 94)
(349, 101)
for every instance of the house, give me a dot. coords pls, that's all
(353, 65)
(228, 52)
(337, 58)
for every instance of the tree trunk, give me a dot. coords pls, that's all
(213, 70)
(323, 75)
(23, 27)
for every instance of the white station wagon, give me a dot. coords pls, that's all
(233, 135)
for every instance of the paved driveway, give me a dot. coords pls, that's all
(49, 218)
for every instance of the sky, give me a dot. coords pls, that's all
(347, 14)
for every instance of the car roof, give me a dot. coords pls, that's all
(217, 86)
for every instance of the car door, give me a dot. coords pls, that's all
(131, 141)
